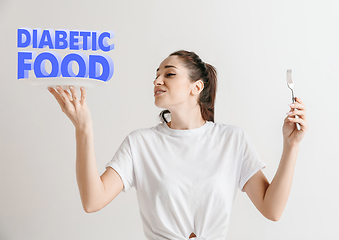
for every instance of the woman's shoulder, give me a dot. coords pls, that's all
(142, 131)
(227, 127)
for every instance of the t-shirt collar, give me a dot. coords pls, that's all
(164, 128)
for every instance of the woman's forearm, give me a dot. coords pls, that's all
(278, 191)
(88, 178)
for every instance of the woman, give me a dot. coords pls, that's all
(187, 171)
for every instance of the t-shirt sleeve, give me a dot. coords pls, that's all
(251, 162)
(122, 163)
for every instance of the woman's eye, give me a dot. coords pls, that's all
(168, 74)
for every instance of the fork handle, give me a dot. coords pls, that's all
(296, 116)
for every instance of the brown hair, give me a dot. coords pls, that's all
(208, 74)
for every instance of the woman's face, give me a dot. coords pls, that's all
(173, 78)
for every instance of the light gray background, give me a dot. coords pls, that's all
(251, 43)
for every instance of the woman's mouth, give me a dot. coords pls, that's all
(158, 93)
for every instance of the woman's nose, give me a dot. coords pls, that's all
(157, 81)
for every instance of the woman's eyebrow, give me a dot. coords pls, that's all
(168, 66)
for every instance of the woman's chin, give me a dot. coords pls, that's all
(156, 103)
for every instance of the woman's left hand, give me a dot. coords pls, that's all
(291, 134)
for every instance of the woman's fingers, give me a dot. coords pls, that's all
(294, 112)
(298, 104)
(299, 100)
(69, 96)
(58, 98)
(64, 97)
(83, 95)
(75, 110)
(74, 96)
(299, 109)
(68, 106)
(303, 122)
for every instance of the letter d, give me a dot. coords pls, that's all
(24, 37)
(94, 67)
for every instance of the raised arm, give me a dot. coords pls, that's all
(96, 191)
(271, 198)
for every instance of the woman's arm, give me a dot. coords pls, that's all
(271, 198)
(88, 178)
(95, 191)
(275, 194)
(278, 191)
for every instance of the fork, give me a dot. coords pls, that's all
(290, 86)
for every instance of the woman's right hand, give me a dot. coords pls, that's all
(76, 110)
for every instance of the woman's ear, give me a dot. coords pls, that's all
(198, 86)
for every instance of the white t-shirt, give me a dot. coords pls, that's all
(186, 180)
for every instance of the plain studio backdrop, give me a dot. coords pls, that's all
(251, 43)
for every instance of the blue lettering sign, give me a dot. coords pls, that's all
(89, 67)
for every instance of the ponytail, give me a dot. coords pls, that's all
(207, 96)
